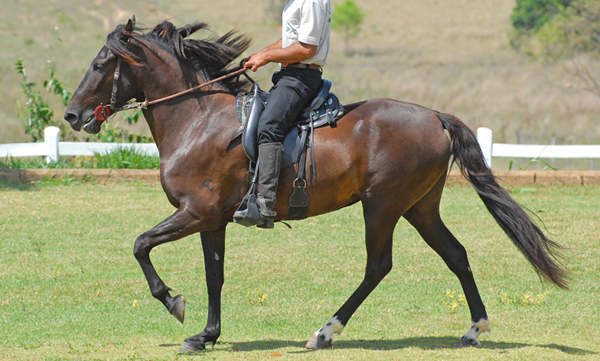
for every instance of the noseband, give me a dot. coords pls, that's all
(103, 112)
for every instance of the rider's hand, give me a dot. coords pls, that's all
(256, 61)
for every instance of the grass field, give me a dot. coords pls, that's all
(73, 291)
(451, 55)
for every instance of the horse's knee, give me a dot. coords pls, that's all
(140, 247)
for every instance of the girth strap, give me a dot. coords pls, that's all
(299, 199)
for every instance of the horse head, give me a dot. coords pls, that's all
(109, 80)
(118, 72)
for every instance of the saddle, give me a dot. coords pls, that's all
(324, 110)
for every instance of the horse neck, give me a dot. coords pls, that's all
(190, 120)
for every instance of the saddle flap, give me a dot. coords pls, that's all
(251, 127)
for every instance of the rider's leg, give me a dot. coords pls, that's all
(269, 164)
(293, 89)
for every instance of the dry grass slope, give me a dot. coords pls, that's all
(450, 55)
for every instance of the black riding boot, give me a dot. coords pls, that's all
(269, 164)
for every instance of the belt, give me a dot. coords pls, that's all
(304, 66)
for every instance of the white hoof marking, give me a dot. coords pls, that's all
(477, 328)
(324, 335)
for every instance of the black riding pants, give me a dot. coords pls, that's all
(293, 89)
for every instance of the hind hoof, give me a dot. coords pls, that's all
(467, 342)
(177, 308)
(317, 342)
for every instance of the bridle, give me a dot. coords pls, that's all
(103, 112)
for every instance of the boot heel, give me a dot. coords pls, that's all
(266, 223)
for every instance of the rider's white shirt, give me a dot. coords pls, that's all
(309, 22)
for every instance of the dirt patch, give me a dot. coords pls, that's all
(102, 175)
(512, 178)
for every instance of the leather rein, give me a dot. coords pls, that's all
(103, 112)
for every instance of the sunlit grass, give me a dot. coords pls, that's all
(72, 289)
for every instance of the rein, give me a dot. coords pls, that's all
(103, 112)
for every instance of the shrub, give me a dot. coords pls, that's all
(126, 157)
(575, 30)
(36, 112)
(531, 15)
(348, 18)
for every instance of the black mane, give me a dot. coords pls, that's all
(210, 56)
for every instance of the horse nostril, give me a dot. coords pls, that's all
(72, 118)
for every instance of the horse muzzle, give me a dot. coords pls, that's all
(90, 124)
(73, 119)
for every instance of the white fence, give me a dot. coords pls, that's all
(53, 149)
(531, 151)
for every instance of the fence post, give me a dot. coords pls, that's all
(484, 137)
(51, 138)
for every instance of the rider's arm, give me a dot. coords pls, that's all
(276, 45)
(295, 53)
(314, 19)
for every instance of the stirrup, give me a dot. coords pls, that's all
(248, 214)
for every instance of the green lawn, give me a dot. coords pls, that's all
(72, 290)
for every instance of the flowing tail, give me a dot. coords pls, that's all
(529, 239)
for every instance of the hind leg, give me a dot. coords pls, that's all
(379, 227)
(425, 217)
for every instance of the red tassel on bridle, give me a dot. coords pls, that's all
(102, 112)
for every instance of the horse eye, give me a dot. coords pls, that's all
(97, 66)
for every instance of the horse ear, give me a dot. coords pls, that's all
(130, 25)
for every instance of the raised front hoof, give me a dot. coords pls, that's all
(176, 307)
(318, 342)
(467, 342)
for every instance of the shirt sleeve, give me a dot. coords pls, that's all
(313, 21)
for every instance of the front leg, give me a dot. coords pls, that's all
(213, 245)
(179, 225)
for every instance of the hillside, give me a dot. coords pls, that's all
(449, 55)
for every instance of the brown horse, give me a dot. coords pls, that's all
(391, 156)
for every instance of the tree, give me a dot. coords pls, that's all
(348, 18)
(531, 15)
(575, 30)
(562, 30)
(575, 35)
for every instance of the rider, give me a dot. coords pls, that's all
(302, 52)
